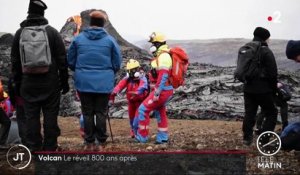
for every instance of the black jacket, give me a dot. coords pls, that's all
(267, 84)
(35, 88)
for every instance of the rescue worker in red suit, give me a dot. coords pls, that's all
(136, 86)
(5, 122)
(159, 95)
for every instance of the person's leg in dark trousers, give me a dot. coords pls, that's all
(87, 105)
(33, 125)
(250, 115)
(267, 105)
(284, 114)
(100, 108)
(5, 126)
(21, 120)
(51, 129)
(259, 121)
(283, 111)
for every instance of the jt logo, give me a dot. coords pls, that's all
(19, 155)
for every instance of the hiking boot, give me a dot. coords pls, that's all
(89, 147)
(3, 147)
(99, 148)
(161, 142)
(257, 131)
(132, 134)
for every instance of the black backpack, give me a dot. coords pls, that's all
(248, 62)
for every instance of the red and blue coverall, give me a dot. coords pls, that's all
(156, 101)
(6, 105)
(136, 91)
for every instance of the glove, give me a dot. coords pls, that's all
(156, 95)
(65, 88)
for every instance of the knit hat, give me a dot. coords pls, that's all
(37, 7)
(98, 18)
(292, 49)
(261, 33)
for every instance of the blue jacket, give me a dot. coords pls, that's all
(95, 57)
(294, 127)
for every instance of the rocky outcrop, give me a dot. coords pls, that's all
(210, 92)
(5, 64)
(128, 49)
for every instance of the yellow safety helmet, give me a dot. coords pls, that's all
(132, 63)
(157, 37)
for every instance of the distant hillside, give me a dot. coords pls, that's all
(223, 52)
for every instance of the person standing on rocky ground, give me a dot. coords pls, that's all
(40, 76)
(159, 96)
(95, 58)
(137, 89)
(260, 89)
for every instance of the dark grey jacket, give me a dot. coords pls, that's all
(267, 84)
(35, 88)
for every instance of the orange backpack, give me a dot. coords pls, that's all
(180, 62)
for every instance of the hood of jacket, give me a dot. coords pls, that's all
(263, 43)
(95, 33)
(34, 20)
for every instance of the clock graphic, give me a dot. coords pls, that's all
(268, 143)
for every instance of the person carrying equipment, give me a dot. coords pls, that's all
(259, 75)
(137, 89)
(159, 96)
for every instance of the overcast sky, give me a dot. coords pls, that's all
(178, 19)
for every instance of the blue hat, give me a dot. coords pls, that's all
(292, 49)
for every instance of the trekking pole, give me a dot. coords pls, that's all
(108, 119)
